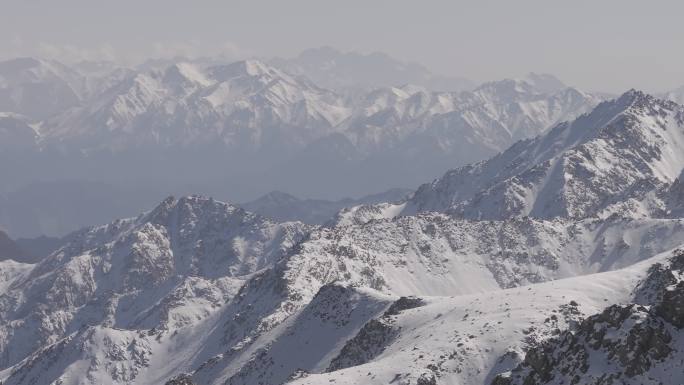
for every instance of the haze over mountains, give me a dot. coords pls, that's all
(464, 195)
(557, 260)
(332, 69)
(241, 130)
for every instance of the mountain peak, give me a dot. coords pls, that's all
(641, 104)
(620, 151)
(187, 207)
(638, 98)
(634, 95)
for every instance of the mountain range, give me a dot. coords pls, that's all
(624, 158)
(243, 129)
(557, 261)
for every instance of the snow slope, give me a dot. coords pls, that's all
(471, 339)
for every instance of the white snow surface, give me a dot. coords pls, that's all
(468, 339)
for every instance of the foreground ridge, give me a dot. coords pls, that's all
(638, 343)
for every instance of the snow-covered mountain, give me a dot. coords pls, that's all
(618, 159)
(418, 292)
(479, 339)
(494, 114)
(38, 88)
(167, 268)
(242, 129)
(241, 104)
(402, 136)
(486, 120)
(203, 288)
(250, 103)
(494, 273)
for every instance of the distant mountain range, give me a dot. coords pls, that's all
(240, 130)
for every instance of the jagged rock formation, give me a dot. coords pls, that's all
(373, 337)
(624, 344)
(676, 198)
(180, 380)
(132, 281)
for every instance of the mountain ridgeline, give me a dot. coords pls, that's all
(241, 130)
(557, 261)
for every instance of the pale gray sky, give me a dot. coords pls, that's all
(606, 45)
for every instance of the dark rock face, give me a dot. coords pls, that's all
(629, 337)
(372, 339)
(676, 199)
(427, 380)
(367, 344)
(182, 379)
(404, 303)
(660, 276)
(671, 308)
(618, 346)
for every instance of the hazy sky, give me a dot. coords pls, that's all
(606, 45)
